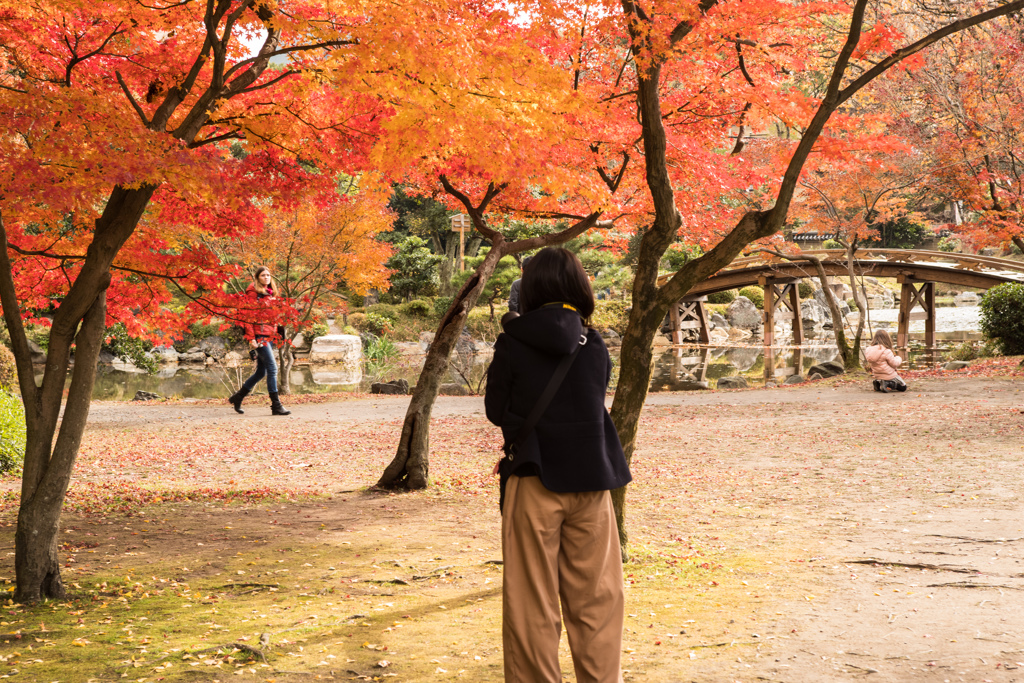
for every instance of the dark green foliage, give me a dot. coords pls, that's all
(677, 255)
(415, 269)
(832, 244)
(129, 348)
(949, 244)
(805, 290)
(378, 324)
(197, 332)
(963, 351)
(755, 294)
(442, 304)
(12, 432)
(726, 297)
(1002, 317)
(899, 233)
(418, 308)
(419, 216)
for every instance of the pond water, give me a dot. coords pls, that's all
(678, 369)
(952, 322)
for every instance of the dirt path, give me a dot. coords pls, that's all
(848, 535)
(926, 483)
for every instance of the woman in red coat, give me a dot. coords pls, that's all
(261, 338)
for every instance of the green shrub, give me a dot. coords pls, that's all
(832, 244)
(348, 329)
(1002, 317)
(963, 351)
(231, 334)
(12, 432)
(805, 290)
(381, 357)
(418, 308)
(8, 369)
(318, 329)
(442, 304)
(357, 321)
(610, 314)
(726, 297)
(755, 294)
(378, 323)
(852, 303)
(128, 348)
(479, 324)
(389, 311)
(949, 244)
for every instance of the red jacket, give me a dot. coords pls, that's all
(260, 329)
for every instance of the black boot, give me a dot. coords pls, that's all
(236, 400)
(275, 405)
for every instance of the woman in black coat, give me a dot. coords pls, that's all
(559, 538)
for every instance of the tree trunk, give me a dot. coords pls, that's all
(80, 320)
(636, 359)
(410, 467)
(851, 356)
(473, 246)
(284, 376)
(860, 298)
(447, 267)
(36, 563)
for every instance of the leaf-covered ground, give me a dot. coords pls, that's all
(201, 545)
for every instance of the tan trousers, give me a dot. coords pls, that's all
(560, 545)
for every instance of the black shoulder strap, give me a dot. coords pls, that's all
(545, 399)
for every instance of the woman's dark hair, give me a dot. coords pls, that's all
(556, 275)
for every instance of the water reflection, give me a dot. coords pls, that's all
(682, 368)
(687, 368)
(121, 381)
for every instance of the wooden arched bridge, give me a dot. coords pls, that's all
(916, 270)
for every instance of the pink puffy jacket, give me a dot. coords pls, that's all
(883, 362)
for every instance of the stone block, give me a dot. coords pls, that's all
(337, 348)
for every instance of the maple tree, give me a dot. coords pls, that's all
(657, 40)
(965, 111)
(313, 249)
(118, 122)
(864, 182)
(504, 143)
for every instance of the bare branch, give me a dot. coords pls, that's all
(131, 99)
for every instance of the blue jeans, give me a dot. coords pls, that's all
(265, 365)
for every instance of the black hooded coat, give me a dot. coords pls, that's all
(574, 447)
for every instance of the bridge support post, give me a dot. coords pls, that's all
(690, 313)
(915, 293)
(781, 292)
(690, 368)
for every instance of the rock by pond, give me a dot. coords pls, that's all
(733, 382)
(828, 369)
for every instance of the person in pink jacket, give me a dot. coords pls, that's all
(883, 363)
